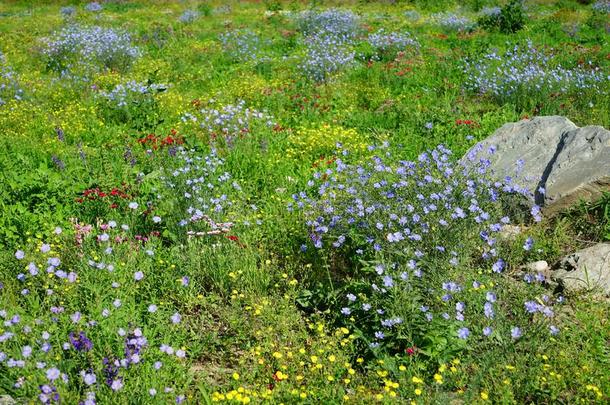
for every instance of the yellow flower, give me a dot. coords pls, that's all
(417, 380)
(235, 376)
(484, 396)
(418, 391)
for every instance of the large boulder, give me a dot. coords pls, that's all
(557, 162)
(586, 270)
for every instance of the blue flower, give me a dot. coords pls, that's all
(463, 333)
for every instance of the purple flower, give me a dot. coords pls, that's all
(176, 318)
(89, 378)
(487, 331)
(117, 384)
(498, 266)
(529, 243)
(463, 333)
(515, 332)
(488, 310)
(80, 342)
(26, 351)
(19, 254)
(536, 213)
(53, 374)
(138, 275)
(532, 307)
(388, 282)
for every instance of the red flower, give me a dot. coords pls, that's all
(410, 350)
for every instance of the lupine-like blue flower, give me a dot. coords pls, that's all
(453, 22)
(131, 92)
(9, 86)
(389, 44)
(94, 6)
(463, 333)
(89, 49)
(523, 71)
(601, 6)
(242, 45)
(189, 16)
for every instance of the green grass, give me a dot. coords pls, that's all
(260, 320)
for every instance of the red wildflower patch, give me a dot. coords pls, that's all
(466, 122)
(112, 197)
(235, 238)
(155, 141)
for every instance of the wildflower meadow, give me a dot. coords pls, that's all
(287, 202)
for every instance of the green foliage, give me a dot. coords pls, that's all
(163, 200)
(512, 17)
(508, 19)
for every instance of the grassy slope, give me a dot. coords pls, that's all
(240, 322)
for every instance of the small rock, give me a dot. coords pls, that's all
(509, 232)
(588, 269)
(539, 266)
(557, 162)
(7, 400)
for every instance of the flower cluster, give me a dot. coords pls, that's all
(491, 11)
(325, 55)
(321, 141)
(131, 92)
(94, 7)
(68, 11)
(113, 196)
(328, 36)
(601, 6)
(416, 224)
(452, 22)
(201, 190)
(189, 16)
(242, 45)
(341, 24)
(412, 15)
(527, 70)
(154, 142)
(389, 44)
(89, 48)
(227, 122)
(9, 86)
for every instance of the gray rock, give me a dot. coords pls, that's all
(588, 270)
(539, 266)
(581, 170)
(510, 232)
(7, 400)
(550, 154)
